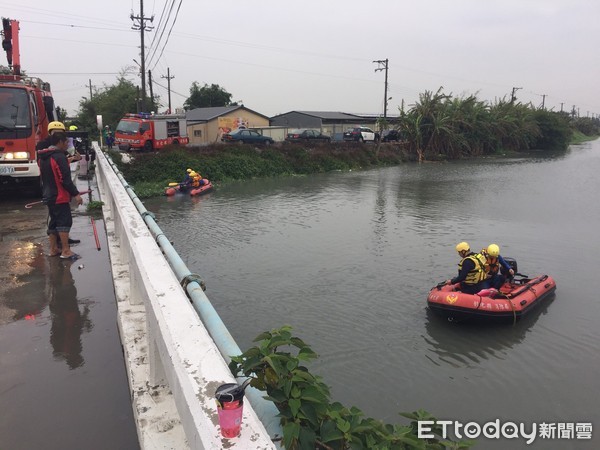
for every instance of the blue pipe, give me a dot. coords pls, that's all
(266, 411)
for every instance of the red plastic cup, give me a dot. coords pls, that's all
(230, 405)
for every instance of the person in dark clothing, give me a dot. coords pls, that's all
(58, 127)
(57, 190)
(471, 270)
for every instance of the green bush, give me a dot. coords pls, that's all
(218, 163)
(310, 420)
(555, 132)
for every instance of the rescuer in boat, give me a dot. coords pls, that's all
(471, 270)
(493, 262)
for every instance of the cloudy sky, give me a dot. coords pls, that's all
(277, 56)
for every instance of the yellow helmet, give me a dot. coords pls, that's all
(493, 250)
(189, 171)
(73, 128)
(463, 246)
(52, 126)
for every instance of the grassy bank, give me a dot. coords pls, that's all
(578, 137)
(150, 173)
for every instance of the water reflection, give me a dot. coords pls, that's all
(68, 321)
(467, 344)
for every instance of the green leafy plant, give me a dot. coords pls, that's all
(310, 420)
(94, 205)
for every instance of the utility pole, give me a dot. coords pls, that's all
(90, 86)
(561, 106)
(383, 65)
(169, 78)
(150, 86)
(543, 100)
(512, 96)
(137, 99)
(141, 25)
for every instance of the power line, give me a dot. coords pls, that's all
(158, 27)
(76, 26)
(73, 73)
(174, 92)
(169, 35)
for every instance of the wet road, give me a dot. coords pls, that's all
(63, 383)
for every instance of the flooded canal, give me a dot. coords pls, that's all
(347, 259)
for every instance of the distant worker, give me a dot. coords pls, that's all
(471, 270)
(493, 263)
(105, 132)
(187, 180)
(110, 140)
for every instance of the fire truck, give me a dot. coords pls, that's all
(151, 131)
(26, 108)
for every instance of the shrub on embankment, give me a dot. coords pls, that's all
(441, 126)
(149, 173)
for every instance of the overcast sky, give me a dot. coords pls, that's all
(278, 56)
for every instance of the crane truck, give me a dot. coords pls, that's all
(26, 108)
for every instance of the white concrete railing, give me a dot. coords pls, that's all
(173, 365)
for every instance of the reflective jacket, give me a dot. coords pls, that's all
(492, 263)
(477, 274)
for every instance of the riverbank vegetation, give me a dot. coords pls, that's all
(309, 419)
(436, 128)
(150, 173)
(441, 126)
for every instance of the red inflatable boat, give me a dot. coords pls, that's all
(206, 187)
(515, 299)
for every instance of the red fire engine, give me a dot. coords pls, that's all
(26, 108)
(151, 131)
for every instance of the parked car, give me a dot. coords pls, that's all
(305, 135)
(391, 135)
(247, 137)
(361, 134)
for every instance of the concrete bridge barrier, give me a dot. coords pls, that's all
(173, 364)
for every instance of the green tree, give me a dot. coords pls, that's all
(206, 96)
(61, 113)
(112, 103)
